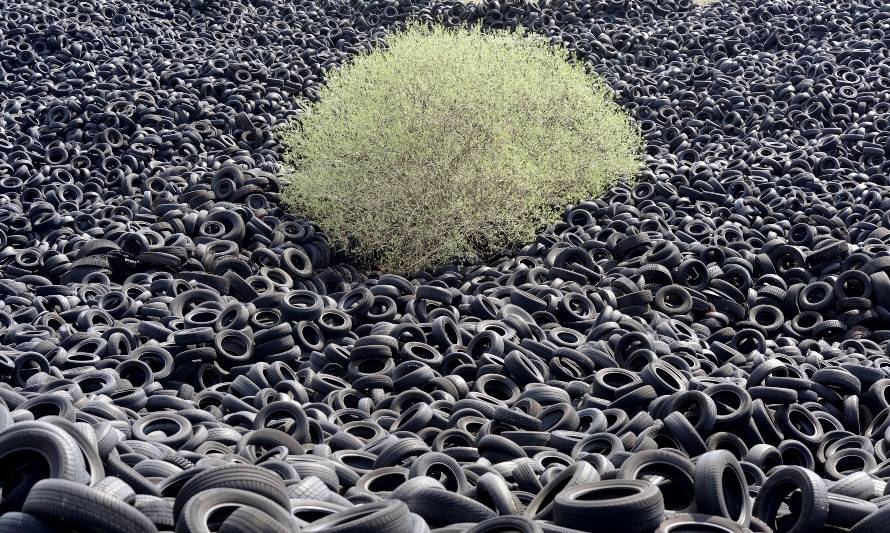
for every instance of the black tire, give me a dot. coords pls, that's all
(862, 459)
(114, 466)
(16, 522)
(59, 453)
(721, 488)
(79, 506)
(804, 427)
(194, 516)
(859, 485)
(307, 511)
(632, 506)
(705, 409)
(400, 451)
(504, 524)
(446, 468)
(88, 447)
(249, 478)
(300, 305)
(699, 523)
(686, 435)
(549, 527)
(525, 477)
(673, 474)
(443, 508)
(382, 481)
(757, 526)
(158, 510)
(844, 512)
(579, 473)
(733, 405)
(874, 523)
(492, 490)
(116, 488)
(764, 456)
(249, 520)
(405, 490)
(308, 488)
(779, 485)
(176, 429)
(389, 516)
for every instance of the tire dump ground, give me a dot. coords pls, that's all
(705, 349)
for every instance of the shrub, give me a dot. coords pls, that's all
(451, 145)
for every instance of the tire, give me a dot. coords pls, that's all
(495, 490)
(764, 456)
(443, 508)
(407, 489)
(504, 524)
(308, 488)
(57, 449)
(862, 457)
(844, 512)
(80, 506)
(549, 527)
(88, 446)
(706, 409)
(300, 305)
(780, 483)
(307, 511)
(151, 424)
(736, 405)
(699, 523)
(249, 520)
(194, 515)
(631, 506)
(542, 506)
(114, 466)
(390, 516)
(874, 523)
(859, 485)
(812, 433)
(158, 510)
(116, 488)
(448, 470)
(396, 453)
(253, 479)
(16, 522)
(381, 481)
(680, 428)
(757, 526)
(673, 472)
(721, 488)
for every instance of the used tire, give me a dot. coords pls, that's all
(390, 516)
(632, 506)
(198, 510)
(699, 523)
(781, 483)
(721, 488)
(79, 506)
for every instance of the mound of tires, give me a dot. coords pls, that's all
(705, 349)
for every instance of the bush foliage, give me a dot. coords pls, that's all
(453, 144)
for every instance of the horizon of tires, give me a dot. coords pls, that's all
(699, 346)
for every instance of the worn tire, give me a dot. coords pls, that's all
(721, 488)
(68, 502)
(633, 506)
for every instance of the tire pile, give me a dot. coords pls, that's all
(705, 349)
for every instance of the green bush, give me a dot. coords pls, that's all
(451, 145)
